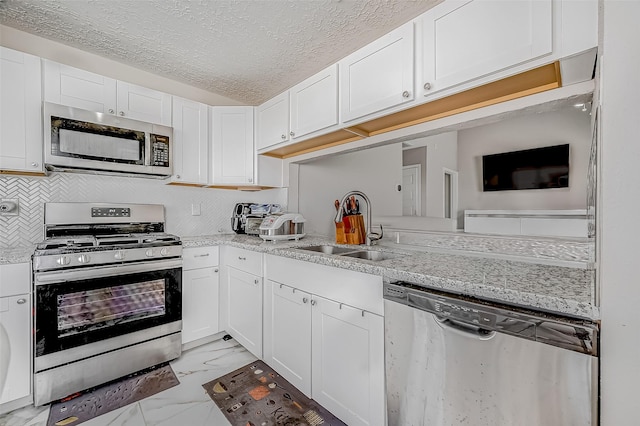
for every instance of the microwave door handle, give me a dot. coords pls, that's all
(147, 149)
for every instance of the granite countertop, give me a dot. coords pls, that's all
(534, 285)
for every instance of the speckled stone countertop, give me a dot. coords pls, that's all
(17, 255)
(540, 286)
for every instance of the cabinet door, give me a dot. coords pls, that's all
(200, 303)
(378, 76)
(348, 362)
(314, 103)
(15, 319)
(244, 309)
(287, 334)
(77, 88)
(232, 142)
(190, 141)
(464, 40)
(20, 112)
(140, 103)
(273, 121)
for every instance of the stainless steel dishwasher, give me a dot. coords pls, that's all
(453, 360)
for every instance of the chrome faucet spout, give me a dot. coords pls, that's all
(371, 236)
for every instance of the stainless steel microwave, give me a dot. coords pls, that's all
(80, 140)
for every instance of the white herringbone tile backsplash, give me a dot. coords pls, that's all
(26, 229)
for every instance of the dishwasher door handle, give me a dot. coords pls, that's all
(465, 329)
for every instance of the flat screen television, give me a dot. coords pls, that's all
(538, 168)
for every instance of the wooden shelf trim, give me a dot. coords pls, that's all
(530, 82)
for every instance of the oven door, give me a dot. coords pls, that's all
(84, 312)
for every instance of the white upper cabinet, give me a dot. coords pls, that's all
(20, 112)
(140, 103)
(307, 108)
(378, 76)
(232, 143)
(83, 89)
(314, 103)
(190, 141)
(465, 40)
(273, 121)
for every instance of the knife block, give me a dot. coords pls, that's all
(351, 230)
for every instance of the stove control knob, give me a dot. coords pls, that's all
(119, 255)
(63, 260)
(164, 251)
(149, 253)
(84, 258)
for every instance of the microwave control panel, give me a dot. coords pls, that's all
(159, 150)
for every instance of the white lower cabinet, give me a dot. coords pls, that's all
(241, 293)
(245, 309)
(329, 349)
(200, 293)
(347, 362)
(15, 336)
(287, 328)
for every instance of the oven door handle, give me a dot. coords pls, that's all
(103, 271)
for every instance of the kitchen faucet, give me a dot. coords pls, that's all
(372, 237)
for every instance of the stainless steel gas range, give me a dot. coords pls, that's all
(107, 297)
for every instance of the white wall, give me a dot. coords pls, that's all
(376, 172)
(38, 46)
(442, 152)
(570, 126)
(619, 204)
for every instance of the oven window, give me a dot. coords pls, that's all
(74, 313)
(90, 310)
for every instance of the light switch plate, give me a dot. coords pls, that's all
(195, 209)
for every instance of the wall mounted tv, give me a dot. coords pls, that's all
(537, 168)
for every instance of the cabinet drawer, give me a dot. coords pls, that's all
(199, 257)
(244, 260)
(15, 279)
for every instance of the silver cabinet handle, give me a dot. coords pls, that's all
(427, 86)
(242, 258)
(250, 180)
(201, 255)
(305, 300)
(313, 302)
(283, 136)
(256, 281)
(121, 113)
(215, 270)
(34, 164)
(111, 111)
(178, 177)
(405, 94)
(21, 301)
(292, 133)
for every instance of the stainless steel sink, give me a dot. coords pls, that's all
(327, 249)
(351, 252)
(372, 255)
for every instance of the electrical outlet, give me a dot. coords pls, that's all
(9, 207)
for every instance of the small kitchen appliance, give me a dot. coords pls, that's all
(107, 295)
(92, 142)
(284, 226)
(247, 217)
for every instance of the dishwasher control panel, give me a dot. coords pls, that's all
(464, 313)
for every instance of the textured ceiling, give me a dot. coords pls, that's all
(247, 50)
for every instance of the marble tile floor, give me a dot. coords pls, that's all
(185, 404)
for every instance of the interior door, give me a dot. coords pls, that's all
(411, 189)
